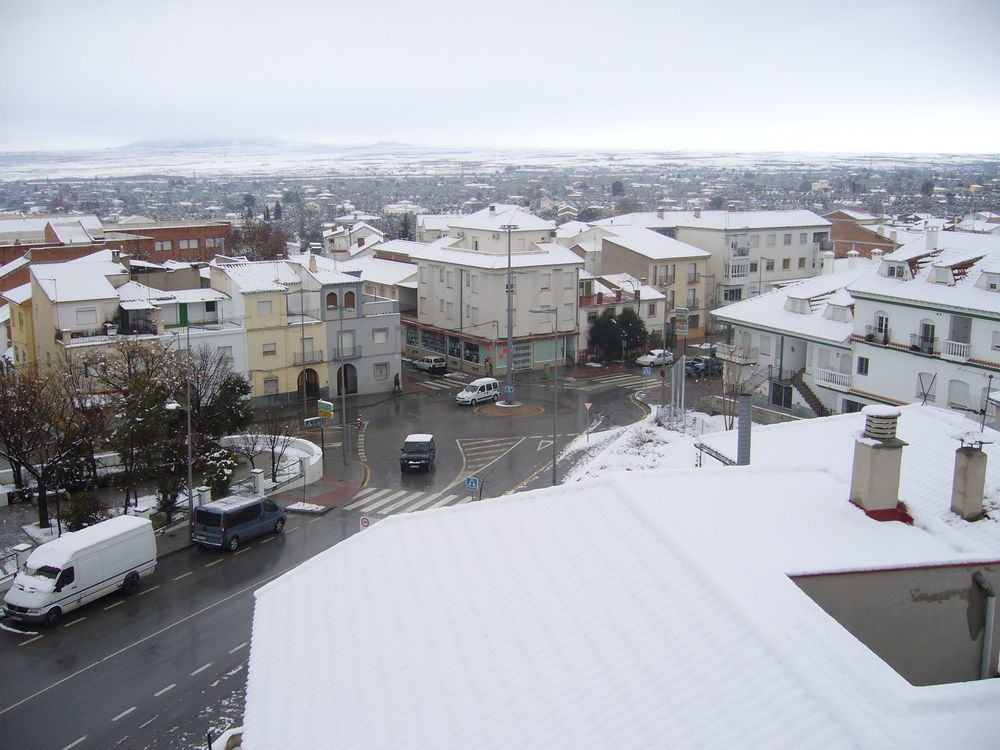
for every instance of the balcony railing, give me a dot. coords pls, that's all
(694, 278)
(379, 306)
(345, 352)
(666, 280)
(692, 303)
(956, 350)
(740, 252)
(305, 358)
(839, 380)
(83, 335)
(736, 354)
(878, 335)
(920, 344)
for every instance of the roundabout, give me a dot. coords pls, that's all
(502, 409)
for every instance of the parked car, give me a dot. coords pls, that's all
(417, 452)
(482, 389)
(81, 566)
(701, 367)
(432, 364)
(227, 522)
(655, 358)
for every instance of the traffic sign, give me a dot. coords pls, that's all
(324, 409)
(681, 329)
(646, 370)
(681, 313)
(365, 522)
(472, 484)
(588, 404)
(314, 421)
(508, 389)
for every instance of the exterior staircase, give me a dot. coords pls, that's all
(810, 398)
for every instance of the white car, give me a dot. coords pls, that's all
(431, 364)
(655, 358)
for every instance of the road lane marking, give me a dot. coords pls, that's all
(183, 575)
(149, 590)
(147, 723)
(124, 713)
(202, 668)
(443, 501)
(406, 499)
(290, 529)
(154, 634)
(77, 742)
(267, 539)
(241, 551)
(74, 622)
(116, 604)
(158, 693)
(359, 503)
(242, 645)
(214, 562)
(313, 520)
(30, 640)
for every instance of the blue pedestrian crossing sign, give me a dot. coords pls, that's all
(508, 389)
(472, 484)
(646, 370)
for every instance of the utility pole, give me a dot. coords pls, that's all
(510, 314)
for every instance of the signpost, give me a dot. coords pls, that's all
(365, 522)
(474, 485)
(317, 422)
(587, 405)
(324, 409)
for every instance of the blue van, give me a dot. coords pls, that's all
(227, 522)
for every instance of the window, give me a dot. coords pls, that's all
(224, 353)
(765, 345)
(753, 266)
(270, 386)
(769, 265)
(732, 295)
(163, 245)
(771, 239)
(692, 300)
(475, 243)
(802, 262)
(263, 307)
(545, 282)
(468, 280)
(651, 310)
(474, 316)
(450, 276)
(210, 306)
(786, 263)
(996, 340)
(693, 322)
(441, 275)
(380, 335)
(213, 242)
(188, 244)
(852, 406)
(423, 274)
(331, 301)
(567, 311)
(349, 300)
(754, 241)
(381, 370)
(803, 238)
(787, 239)
(86, 316)
(926, 386)
(894, 270)
(66, 577)
(269, 350)
(475, 283)
(569, 278)
(958, 394)
(862, 366)
(451, 310)
(440, 305)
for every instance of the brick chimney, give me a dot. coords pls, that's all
(878, 454)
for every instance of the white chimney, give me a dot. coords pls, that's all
(969, 483)
(852, 258)
(312, 263)
(827, 256)
(878, 454)
(876, 254)
(493, 209)
(697, 213)
(931, 239)
(892, 235)
(659, 213)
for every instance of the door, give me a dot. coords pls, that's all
(347, 380)
(309, 381)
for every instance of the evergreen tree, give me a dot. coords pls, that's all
(277, 210)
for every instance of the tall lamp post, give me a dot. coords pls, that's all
(760, 274)
(508, 228)
(172, 405)
(555, 381)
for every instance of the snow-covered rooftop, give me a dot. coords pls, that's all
(380, 271)
(538, 254)
(261, 276)
(645, 609)
(74, 281)
(652, 245)
(492, 218)
(724, 220)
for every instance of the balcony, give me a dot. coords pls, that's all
(692, 303)
(739, 252)
(694, 278)
(107, 332)
(839, 380)
(957, 350)
(920, 344)
(305, 358)
(876, 335)
(345, 352)
(373, 305)
(736, 354)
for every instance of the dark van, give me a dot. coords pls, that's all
(226, 522)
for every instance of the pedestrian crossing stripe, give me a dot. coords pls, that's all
(385, 501)
(440, 385)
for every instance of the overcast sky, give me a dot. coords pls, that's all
(873, 75)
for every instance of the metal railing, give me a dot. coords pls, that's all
(878, 335)
(345, 352)
(736, 354)
(305, 358)
(694, 277)
(921, 344)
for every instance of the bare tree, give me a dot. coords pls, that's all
(40, 428)
(276, 432)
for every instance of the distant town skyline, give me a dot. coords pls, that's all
(854, 77)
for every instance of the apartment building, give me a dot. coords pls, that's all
(462, 294)
(614, 294)
(159, 242)
(749, 250)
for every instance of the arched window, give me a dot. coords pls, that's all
(331, 301)
(958, 394)
(349, 300)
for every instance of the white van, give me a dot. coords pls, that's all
(81, 566)
(483, 389)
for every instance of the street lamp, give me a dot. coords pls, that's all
(555, 381)
(172, 405)
(508, 228)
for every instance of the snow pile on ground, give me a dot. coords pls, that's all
(643, 446)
